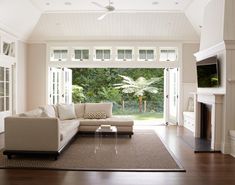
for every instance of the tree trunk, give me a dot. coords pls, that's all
(140, 103)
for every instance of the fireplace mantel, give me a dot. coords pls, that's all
(216, 102)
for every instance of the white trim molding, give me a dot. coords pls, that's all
(214, 50)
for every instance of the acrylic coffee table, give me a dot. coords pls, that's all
(101, 132)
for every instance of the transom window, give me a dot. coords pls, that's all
(168, 55)
(4, 89)
(102, 54)
(59, 55)
(80, 54)
(146, 54)
(124, 54)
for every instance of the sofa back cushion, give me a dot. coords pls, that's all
(66, 111)
(99, 107)
(79, 109)
(49, 110)
(33, 113)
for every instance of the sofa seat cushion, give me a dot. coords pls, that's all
(67, 127)
(114, 121)
(119, 121)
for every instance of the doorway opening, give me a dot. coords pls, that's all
(149, 96)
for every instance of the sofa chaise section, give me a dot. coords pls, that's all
(49, 136)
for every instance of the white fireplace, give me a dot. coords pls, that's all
(216, 103)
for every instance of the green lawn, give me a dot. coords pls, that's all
(142, 116)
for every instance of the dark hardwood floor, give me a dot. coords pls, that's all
(201, 169)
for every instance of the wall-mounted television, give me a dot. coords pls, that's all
(208, 73)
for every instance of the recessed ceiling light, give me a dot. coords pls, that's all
(155, 3)
(67, 3)
(48, 3)
(176, 2)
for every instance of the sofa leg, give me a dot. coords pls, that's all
(9, 156)
(130, 136)
(56, 157)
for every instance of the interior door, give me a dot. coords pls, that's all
(171, 95)
(5, 93)
(54, 85)
(67, 85)
(60, 85)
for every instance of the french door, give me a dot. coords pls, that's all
(171, 95)
(60, 85)
(5, 93)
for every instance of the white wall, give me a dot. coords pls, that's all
(189, 76)
(21, 78)
(36, 75)
(213, 24)
(229, 20)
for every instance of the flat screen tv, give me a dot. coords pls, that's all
(208, 73)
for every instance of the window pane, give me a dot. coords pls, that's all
(85, 54)
(1, 88)
(171, 55)
(121, 54)
(1, 104)
(64, 54)
(60, 54)
(7, 104)
(7, 74)
(150, 54)
(99, 54)
(128, 54)
(106, 54)
(57, 54)
(78, 54)
(1, 73)
(7, 89)
(142, 54)
(163, 55)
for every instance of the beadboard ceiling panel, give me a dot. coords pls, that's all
(120, 5)
(116, 26)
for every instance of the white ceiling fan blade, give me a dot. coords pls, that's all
(99, 5)
(102, 16)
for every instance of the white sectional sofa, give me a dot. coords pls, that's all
(48, 131)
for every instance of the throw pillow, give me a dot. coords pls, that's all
(49, 110)
(33, 113)
(66, 111)
(95, 115)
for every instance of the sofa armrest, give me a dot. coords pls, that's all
(32, 134)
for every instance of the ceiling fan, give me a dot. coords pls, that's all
(108, 9)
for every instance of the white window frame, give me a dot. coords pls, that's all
(168, 48)
(80, 48)
(58, 48)
(147, 48)
(102, 48)
(124, 48)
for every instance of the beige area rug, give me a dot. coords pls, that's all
(143, 152)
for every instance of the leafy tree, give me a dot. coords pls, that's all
(77, 94)
(138, 87)
(110, 94)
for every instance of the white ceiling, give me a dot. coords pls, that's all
(40, 20)
(120, 5)
(124, 26)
